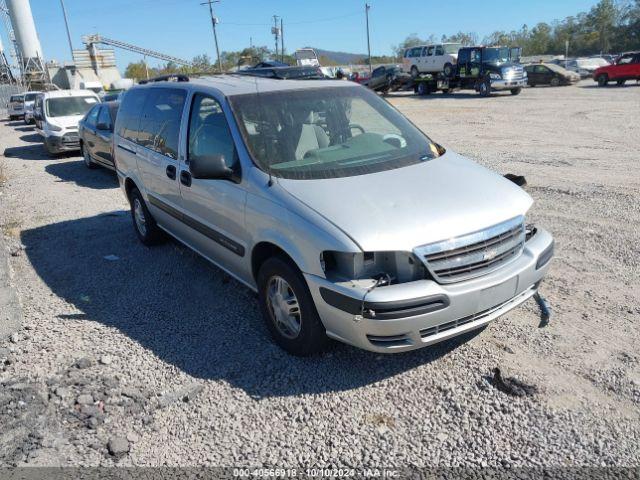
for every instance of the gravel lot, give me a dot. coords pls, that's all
(156, 357)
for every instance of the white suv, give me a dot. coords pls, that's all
(431, 58)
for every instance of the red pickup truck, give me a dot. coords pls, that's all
(626, 67)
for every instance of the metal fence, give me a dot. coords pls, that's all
(5, 92)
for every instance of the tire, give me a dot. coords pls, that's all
(484, 88)
(603, 80)
(144, 224)
(448, 69)
(446, 90)
(51, 152)
(414, 71)
(621, 83)
(516, 91)
(423, 89)
(532, 85)
(86, 157)
(555, 82)
(288, 308)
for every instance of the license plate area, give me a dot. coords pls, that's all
(492, 296)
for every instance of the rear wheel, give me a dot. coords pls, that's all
(555, 81)
(414, 71)
(621, 83)
(516, 91)
(448, 69)
(288, 308)
(423, 89)
(603, 80)
(144, 224)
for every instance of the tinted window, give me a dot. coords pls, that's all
(92, 116)
(16, 98)
(625, 60)
(464, 56)
(429, 51)
(104, 118)
(208, 131)
(130, 111)
(416, 52)
(378, 72)
(160, 124)
(439, 50)
(30, 97)
(540, 69)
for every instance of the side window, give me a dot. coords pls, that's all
(128, 121)
(540, 69)
(463, 56)
(429, 51)
(474, 55)
(378, 72)
(416, 52)
(439, 50)
(160, 124)
(209, 132)
(625, 60)
(92, 116)
(104, 118)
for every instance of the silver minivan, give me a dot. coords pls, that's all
(348, 221)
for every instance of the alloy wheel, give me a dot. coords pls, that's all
(138, 213)
(284, 307)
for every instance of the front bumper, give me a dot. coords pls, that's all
(508, 84)
(416, 314)
(69, 142)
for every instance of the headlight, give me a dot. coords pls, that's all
(54, 128)
(386, 267)
(495, 76)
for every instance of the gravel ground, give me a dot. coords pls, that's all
(155, 357)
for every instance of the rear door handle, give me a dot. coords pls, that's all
(127, 149)
(185, 178)
(171, 172)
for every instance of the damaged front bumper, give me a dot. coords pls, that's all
(412, 315)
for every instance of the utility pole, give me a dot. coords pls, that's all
(281, 40)
(214, 21)
(276, 33)
(66, 22)
(366, 13)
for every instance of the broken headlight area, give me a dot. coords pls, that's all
(529, 231)
(367, 268)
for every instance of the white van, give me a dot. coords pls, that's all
(58, 120)
(435, 58)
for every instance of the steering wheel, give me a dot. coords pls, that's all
(356, 127)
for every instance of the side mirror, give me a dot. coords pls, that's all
(209, 167)
(103, 126)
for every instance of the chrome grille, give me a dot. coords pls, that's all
(476, 254)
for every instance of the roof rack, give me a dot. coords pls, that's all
(172, 77)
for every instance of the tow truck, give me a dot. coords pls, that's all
(481, 68)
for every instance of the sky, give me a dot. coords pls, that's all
(182, 28)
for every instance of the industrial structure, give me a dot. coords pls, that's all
(26, 44)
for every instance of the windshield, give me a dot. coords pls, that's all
(67, 106)
(327, 133)
(30, 97)
(452, 47)
(17, 98)
(306, 54)
(497, 55)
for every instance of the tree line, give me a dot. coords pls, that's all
(611, 26)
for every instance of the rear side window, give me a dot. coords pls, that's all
(160, 124)
(428, 51)
(104, 118)
(130, 112)
(464, 56)
(439, 50)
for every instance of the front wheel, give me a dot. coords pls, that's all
(516, 91)
(621, 83)
(555, 81)
(86, 156)
(414, 71)
(603, 80)
(484, 88)
(288, 308)
(422, 89)
(144, 224)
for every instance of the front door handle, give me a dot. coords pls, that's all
(171, 172)
(185, 178)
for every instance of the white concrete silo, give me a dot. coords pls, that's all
(29, 48)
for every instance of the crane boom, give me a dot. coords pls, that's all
(93, 39)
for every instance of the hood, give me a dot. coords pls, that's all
(407, 207)
(70, 121)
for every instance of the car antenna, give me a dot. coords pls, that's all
(255, 81)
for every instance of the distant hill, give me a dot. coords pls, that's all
(341, 58)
